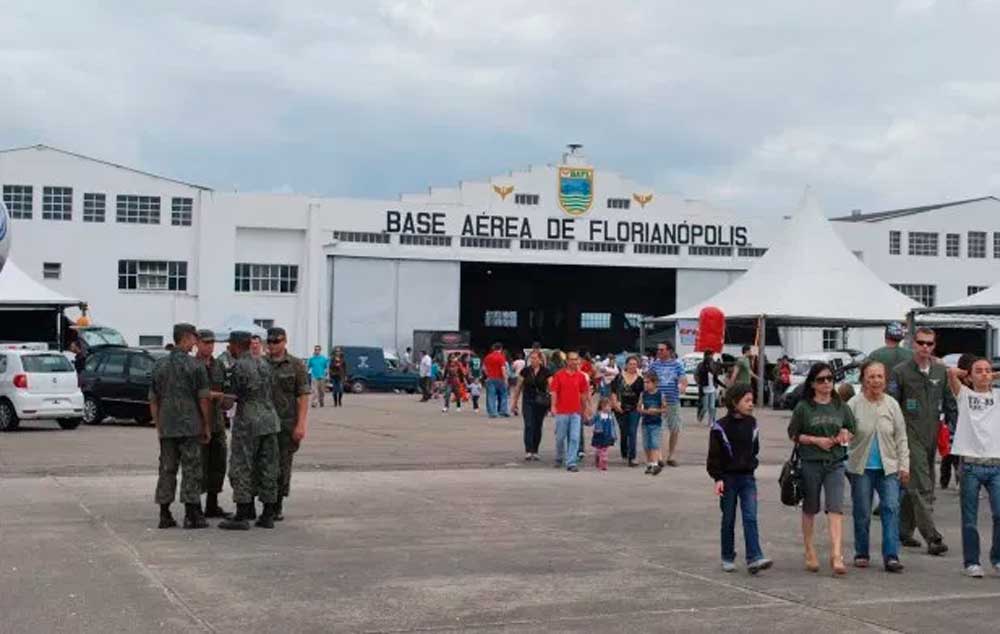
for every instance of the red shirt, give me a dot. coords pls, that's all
(496, 365)
(569, 389)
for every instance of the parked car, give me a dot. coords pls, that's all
(368, 369)
(115, 383)
(691, 361)
(850, 373)
(37, 385)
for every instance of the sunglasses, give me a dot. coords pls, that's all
(826, 378)
(924, 342)
(275, 340)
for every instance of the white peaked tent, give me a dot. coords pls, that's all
(19, 292)
(985, 302)
(981, 310)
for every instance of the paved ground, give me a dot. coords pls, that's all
(407, 520)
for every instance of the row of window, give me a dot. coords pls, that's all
(551, 245)
(57, 204)
(534, 199)
(925, 243)
(588, 320)
(164, 275)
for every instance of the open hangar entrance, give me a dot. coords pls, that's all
(596, 308)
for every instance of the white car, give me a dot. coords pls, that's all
(691, 361)
(38, 385)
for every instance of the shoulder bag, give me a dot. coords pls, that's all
(790, 479)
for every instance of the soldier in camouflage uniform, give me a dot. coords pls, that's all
(253, 458)
(291, 392)
(179, 405)
(214, 453)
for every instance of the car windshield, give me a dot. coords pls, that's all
(802, 367)
(102, 337)
(46, 363)
(691, 363)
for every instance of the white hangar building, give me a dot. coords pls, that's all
(566, 254)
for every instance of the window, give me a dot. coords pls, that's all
(595, 321)
(831, 339)
(180, 211)
(923, 293)
(264, 323)
(894, 241)
(545, 245)
(633, 321)
(51, 270)
(46, 363)
(601, 247)
(266, 278)
(716, 251)
(953, 245)
(486, 243)
(3, 364)
(139, 366)
(93, 207)
(143, 210)
(757, 252)
(923, 243)
(151, 341)
(364, 237)
(424, 241)
(92, 363)
(619, 203)
(656, 249)
(57, 203)
(525, 199)
(972, 290)
(977, 244)
(18, 200)
(152, 275)
(996, 244)
(113, 364)
(500, 318)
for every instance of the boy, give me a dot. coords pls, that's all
(651, 406)
(475, 389)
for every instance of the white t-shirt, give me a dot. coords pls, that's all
(425, 366)
(977, 434)
(517, 366)
(608, 373)
(709, 384)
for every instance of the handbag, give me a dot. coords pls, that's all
(790, 479)
(943, 440)
(542, 400)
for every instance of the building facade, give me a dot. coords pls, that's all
(565, 254)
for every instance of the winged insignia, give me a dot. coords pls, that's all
(642, 199)
(503, 190)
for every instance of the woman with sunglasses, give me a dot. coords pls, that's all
(822, 426)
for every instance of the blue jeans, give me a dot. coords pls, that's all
(744, 489)
(496, 397)
(708, 407)
(862, 486)
(568, 428)
(628, 423)
(973, 477)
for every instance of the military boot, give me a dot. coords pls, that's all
(212, 508)
(238, 522)
(267, 516)
(166, 518)
(278, 510)
(193, 517)
(253, 510)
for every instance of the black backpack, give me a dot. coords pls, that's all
(790, 479)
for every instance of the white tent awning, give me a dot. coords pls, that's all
(18, 290)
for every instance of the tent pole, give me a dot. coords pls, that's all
(761, 359)
(642, 336)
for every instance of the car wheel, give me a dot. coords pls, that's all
(358, 386)
(8, 416)
(92, 414)
(70, 423)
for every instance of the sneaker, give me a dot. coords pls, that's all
(893, 565)
(728, 566)
(649, 469)
(759, 564)
(572, 468)
(937, 548)
(444, 410)
(656, 469)
(975, 571)
(527, 457)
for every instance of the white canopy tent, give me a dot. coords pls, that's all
(238, 323)
(981, 310)
(808, 278)
(19, 292)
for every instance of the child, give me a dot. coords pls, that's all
(604, 433)
(651, 407)
(475, 389)
(733, 446)
(845, 391)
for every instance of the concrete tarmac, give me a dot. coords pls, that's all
(403, 519)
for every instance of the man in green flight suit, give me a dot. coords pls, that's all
(290, 391)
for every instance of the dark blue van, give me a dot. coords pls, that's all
(368, 369)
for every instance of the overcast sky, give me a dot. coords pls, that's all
(875, 104)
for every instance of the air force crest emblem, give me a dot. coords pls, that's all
(576, 189)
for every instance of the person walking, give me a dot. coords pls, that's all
(179, 405)
(603, 436)
(214, 453)
(495, 365)
(454, 379)
(733, 446)
(920, 386)
(532, 392)
(783, 372)
(426, 365)
(338, 377)
(290, 393)
(821, 426)
(319, 369)
(977, 441)
(609, 371)
(741, 372)
(253, 454)
(626, 390)
(707, 376)
(570, 403)
(652, 404)
(892, 353)
(952, 462)
(878, 460)
(672, 382)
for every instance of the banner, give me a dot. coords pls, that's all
(687, 332)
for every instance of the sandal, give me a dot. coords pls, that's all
(837, 563)
(861, 562)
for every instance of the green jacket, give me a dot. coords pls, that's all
(178, 384)
(250, 381)
(922, 397)
(289, 381)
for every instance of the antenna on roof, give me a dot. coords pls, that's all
(573, 147)
(574, 156)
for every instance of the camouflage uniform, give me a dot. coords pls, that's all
(214, 453)
(290, 380)
(178, 383)
(253, 460)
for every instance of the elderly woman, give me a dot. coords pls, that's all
(879, 460)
